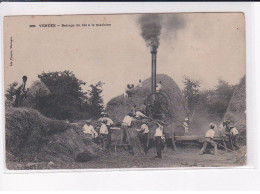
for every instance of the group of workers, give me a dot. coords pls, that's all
(103, 135)
(228, 129)
(130, 87)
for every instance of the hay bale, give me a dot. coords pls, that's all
(236, 110)
(30, 136)
(119, 106)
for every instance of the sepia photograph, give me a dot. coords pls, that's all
(125, 91)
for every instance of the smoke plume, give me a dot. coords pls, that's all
(153, 24)
(151, 29)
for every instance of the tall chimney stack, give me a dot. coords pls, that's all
(153, 87)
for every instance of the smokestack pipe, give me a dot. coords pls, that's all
(153, 88)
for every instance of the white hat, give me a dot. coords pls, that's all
(186, 119)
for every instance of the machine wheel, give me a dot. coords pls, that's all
(158, 106)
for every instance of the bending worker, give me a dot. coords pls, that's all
(209, 139)
(89, 130)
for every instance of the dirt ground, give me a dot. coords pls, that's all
(187, 156)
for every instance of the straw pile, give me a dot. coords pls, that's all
(32, 137)
(236, 110)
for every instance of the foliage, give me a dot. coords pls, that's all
(11, 91)
(66, 97)
(191, 92)
(217, 100)
(96, 102)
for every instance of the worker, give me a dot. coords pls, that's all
(234, 135)
(143, 134)
(159, 86)
(208, 139)
(126, 93)
(139, 114)
(125, 135)
(143, 108)
(20, 93)
(186, 125)
(109, 124)
(140, 85)
(104, 134)
(133, 110)
(89, 130)
(158, 138)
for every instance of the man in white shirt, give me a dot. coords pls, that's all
(109, 124)
(139, 114)
(104, 134)
(127, 89)
(143, 135)
(89, 130)
(125, 135)
(186, 125)
(209, 139)
(158, 138)
(159, 86)
(234, 136)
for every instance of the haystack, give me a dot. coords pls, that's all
(236, 110)
(32, 137)
(119, 106)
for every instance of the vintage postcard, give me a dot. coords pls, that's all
(125, 91)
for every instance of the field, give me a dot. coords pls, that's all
(187, 156)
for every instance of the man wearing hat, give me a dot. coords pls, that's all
(125, 135)
(89, 130)
(109, 124)
(104, 134)
(158, 138)
(143, 135)
(234, 135)
(208, 139)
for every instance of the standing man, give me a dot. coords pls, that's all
(140, 83)
(143, 136)
(234, 136)
(159, 86)
(126, 93)
(158, 138)
(186, 125)
(209, 139)
(125, 135)
(104, 134)
(109, 123)
(89, 130)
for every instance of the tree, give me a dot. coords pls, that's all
(66, 97)
(216, 100)
(96, 102)
(220, 101)
(11, 91)
(191, 92)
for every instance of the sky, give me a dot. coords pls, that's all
(207, 47)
